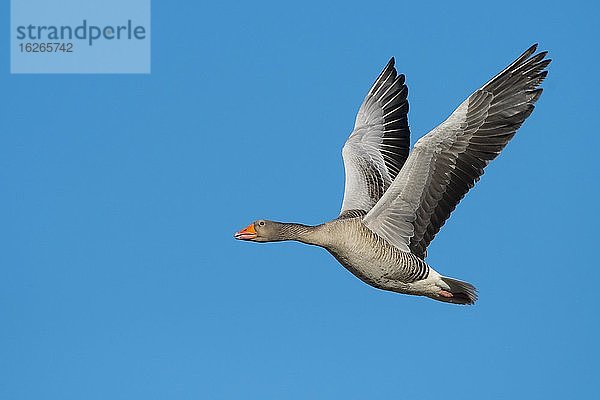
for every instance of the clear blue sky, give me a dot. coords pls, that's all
(119, 276)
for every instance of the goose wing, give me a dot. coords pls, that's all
(379, 144)
(447, 162)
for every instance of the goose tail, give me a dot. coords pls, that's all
(458, 292)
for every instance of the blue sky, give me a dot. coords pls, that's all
(119, 276)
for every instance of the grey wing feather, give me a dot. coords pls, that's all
(448, 161)
(379, 144)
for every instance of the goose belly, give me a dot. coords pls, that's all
(367, 263)
(379, 264)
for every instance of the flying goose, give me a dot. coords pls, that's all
(395, 203)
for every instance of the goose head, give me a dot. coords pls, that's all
(261, 231)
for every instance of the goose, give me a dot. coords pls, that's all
(394, 202)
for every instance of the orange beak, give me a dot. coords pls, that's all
(248, 233)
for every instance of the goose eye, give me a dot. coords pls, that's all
(261, 223)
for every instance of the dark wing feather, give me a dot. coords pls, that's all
(379, 144)
(448, 161)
